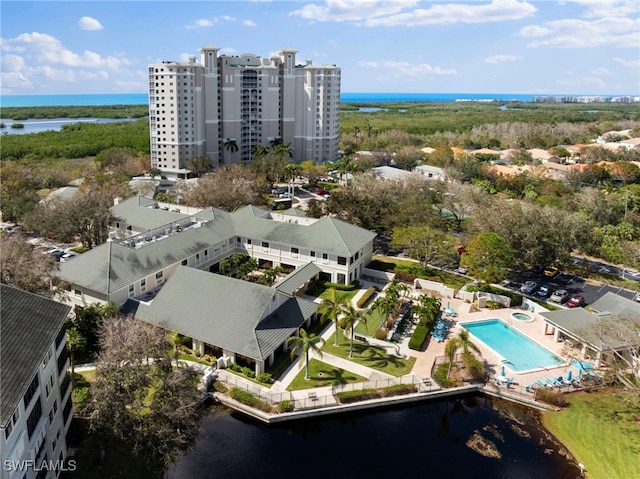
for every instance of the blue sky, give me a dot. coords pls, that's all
(461, 46)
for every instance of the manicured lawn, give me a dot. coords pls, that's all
(374, 320)
(389, 263)
(322, 374)
(371, 356)
(318, 290)
(601, 431)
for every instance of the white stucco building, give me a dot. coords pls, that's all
(225, 106)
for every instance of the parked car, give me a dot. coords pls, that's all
(559, 296)
(529, 287)
(322, 192)
(637, 298)
(575, 301)
(462, 270)
(551, 271)
(544, 291)
(67, 257)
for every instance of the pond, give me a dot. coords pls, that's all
(432, 439)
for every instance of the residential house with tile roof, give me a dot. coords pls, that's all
(35, 396)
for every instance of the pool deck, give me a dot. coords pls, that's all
(534, 330)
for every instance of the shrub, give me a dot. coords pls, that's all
(79, 249)
(493, 305)
(342, 287)
(398, 390)
(220, 387)
(285, 406)
(366, 297)
(474, 366)
(550, 396)
(208, 358)
(250, 400)
(250, 373)
(346, 397)
(264, 378)
(418, 337)
(234, 367)
(441, 378)
(404, 276)
(381, 333)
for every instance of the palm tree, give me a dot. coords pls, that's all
(386, 305)
(351, 317)
(450, 349)
(305, 343)
(283, 150)
(231, 145)
(466, 344)
(333, 307)
(75, 342)
(259, 151)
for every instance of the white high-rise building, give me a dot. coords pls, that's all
(226, 106)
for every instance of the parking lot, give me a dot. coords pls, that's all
(590, 290)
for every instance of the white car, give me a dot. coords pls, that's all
(637, 298)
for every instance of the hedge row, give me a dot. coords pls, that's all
(249, 399)
(365, 394)
(366, 297)
(418, 337)
(342, 287)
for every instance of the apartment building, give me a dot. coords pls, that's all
(150, 240)
(225, 106)
(35, 405)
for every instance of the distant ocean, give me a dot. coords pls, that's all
(143, 98)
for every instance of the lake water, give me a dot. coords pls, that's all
(36, 126)
(425, 440)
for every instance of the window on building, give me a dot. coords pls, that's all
(342, 261)
(265, 247)
(249, 241)
(53, 411)
(184, 262)
(325, 258)
(50, 383)
(294, 252)
(159, 275)
(312, 255)
(143, 285)
(34, 418)
(131, 290)
(47, 358)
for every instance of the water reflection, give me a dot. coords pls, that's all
(36, 126)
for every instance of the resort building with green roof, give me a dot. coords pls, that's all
(160, 259)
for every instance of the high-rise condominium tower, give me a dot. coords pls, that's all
(226, 106)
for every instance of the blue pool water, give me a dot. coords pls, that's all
(522, 353)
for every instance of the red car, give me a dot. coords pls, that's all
(575, 301)
(321, 191)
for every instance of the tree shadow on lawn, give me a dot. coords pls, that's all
(376, 357)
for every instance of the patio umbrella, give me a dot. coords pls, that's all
(502, 372)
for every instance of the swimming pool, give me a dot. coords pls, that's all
(522, 353)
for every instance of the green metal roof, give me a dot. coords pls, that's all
(113, 265)
(297, 278)
(600, 331)
(138, 212)
(225, 312)
(29, 324)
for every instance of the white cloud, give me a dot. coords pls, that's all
(606, 8)
(534, 31)
(88, 23)
(627, 63)
(401, 13)
(501, 58)
(202, 23)
(574, 33)
(408, 69)
(227, 18)
(352, 10)
(601, 71)
(249, 23)
(42, 51)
